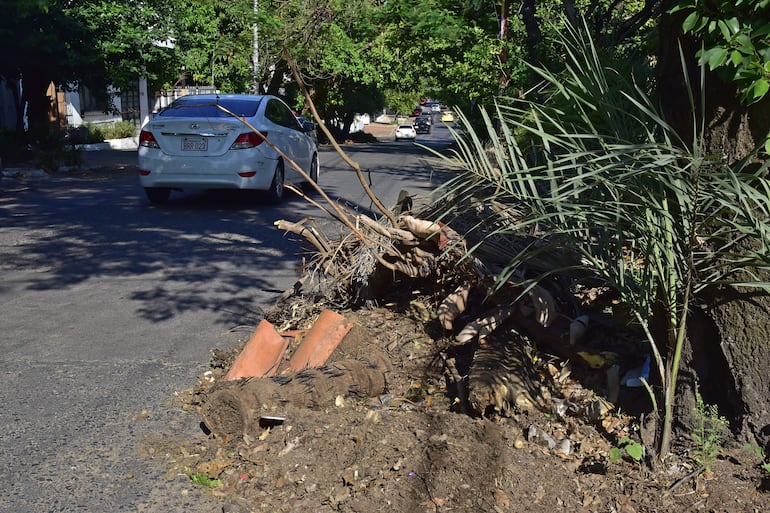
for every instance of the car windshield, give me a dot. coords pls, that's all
(405, 127)
(191, 107)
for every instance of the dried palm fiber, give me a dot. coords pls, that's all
(453, 305)
(484, 326)
(486, 226)
(503, 379)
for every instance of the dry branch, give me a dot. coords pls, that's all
(313, 236)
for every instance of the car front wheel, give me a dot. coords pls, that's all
(275, 193)
(157, 195)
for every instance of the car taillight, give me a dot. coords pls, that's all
(248, 140)
(147, 140)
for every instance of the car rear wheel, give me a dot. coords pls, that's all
(157, 195)
(313, 173)
(275, 193)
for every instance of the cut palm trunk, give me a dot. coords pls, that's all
(235, 409)
(502, 378)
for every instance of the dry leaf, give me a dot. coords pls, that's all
(420, 227)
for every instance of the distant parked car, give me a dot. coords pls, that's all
(422, 124)
(405, 132)
(193, 143)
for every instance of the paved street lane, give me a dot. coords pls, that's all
(110, 306)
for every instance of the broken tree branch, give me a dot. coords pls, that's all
(348, 160)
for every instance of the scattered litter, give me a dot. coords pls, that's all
(540, 437)
(266, 421)
(633, 378)
(577, 329)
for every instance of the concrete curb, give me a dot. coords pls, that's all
(128, 143)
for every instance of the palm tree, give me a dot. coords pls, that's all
(592, 168)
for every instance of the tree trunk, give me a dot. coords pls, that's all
(725, 357)
(235, 408)
(725, 361)
(38, 103)
(732, 130)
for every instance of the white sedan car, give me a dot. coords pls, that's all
(405, 132)
(194, 144)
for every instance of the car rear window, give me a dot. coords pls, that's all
(191, 107)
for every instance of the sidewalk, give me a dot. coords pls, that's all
(117, 153)
(109, 158)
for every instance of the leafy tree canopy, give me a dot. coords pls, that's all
(214, 41)
(131, 39)
(736, 41)
(43, 40)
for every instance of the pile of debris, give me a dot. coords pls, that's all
(551, 346)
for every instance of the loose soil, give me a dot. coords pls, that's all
(408, 449)
(413, 449)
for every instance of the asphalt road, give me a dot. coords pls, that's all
(109, 306)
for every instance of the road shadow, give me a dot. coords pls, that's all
(200, 252)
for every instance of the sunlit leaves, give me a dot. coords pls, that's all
(736, 41)
(132, 39)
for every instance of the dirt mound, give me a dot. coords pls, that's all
(410, 450)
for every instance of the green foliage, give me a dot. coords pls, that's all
(128, 37)
(43, 43)
(94, 133)
(401, 102)
(611, 192)
(736, 40)
(760, 454)
(118, 130)
(204, 480)
(708, 432)
(443, 50)
(50, 149)
(633, 449)
(214, 41)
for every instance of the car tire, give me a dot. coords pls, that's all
(313, 173)
(275, 192)
(157, 195)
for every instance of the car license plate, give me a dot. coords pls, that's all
(194, 144)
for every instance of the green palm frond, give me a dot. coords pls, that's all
(589, 177)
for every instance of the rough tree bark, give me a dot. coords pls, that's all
(725, 359)
(732, 130)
